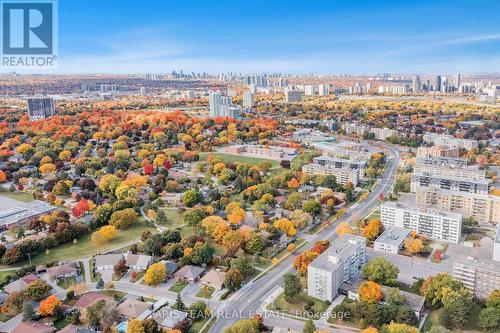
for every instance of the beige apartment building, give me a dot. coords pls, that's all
(444, 171)
(441, 151)
(484, 208)
(482, 276)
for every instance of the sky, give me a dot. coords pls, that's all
(330, 37)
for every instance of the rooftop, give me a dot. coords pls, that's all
(457, 179)
(12, 210)
(393, 236)
(339, 250)
(429, 211)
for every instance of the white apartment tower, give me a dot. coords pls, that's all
(341, 262)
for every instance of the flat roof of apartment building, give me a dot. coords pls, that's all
(339, 250)
(430, 211)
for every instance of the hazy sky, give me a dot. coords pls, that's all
(286, 36)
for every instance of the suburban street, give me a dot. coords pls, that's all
(248, 299)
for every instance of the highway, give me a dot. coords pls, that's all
(246, 301)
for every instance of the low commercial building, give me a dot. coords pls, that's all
(340, 263)
(425, 181)
(439, 225)
(15, 212)
(391, 240)
(482, 276)
(484, 208)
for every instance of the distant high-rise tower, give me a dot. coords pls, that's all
(323, 89)
(309, 90)
(457, 81)
(437, 83)
(40, 108)
(248, 99)
(215, 102)
(417, 84)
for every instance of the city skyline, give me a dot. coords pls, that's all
(327, 37)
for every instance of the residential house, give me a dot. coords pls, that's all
(62, 271)
(75, 329)
(20, 284)
(167, 317)
(90, 298)
(33, 327)
(106, 261)
(214, 279)
(134, 309)
(189, 273)
(139, 262)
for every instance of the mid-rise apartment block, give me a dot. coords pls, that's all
(443, 167)
(436, 151)
(343, 175)
(482, 276)
(436, 224)
(449, 141)
(341, 163)
(484, 208)
(341, 262)
(496, 245)
(426, 181)
(292, 96)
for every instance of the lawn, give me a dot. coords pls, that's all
(205, 292)
(117, 295)
(197, 325)
(434, 319)
(178, 286)
(5, 276)
(174, 217)
(298, 308)
(85, 248)
(21, 196)
(238, 158)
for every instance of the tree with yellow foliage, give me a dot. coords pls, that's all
(104, 234)
(220, 231)
(370, 292)
(286, 226)
(155, 274)
(65, 155)
(135, 326)
(343, 229)
(495, 192)
(414, 245)
(370, 330)
(47, 168)
(236, 216)
(22, 148)
(45, 160)
(400, 328)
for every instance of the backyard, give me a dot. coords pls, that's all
(305, 306)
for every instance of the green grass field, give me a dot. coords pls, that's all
(173, 216)
(85, 248)
(178, 286)
(21, 196)
(239, 158)
(297, 308)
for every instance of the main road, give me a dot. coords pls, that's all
(247, 301)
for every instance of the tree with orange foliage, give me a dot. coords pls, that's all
(3, 177)
(49, 306)
(293, 184)
(303, 260)
(291, 247)
(372, 229)
(343, 229)
(370, 292)
(414, 245)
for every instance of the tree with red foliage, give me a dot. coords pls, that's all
(167, 164)
(81, 207)
(148, 169)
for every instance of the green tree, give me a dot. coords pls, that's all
(190, 198)
(382, 271)
(179, 303)
(255, 244)
(243, 265)
(312, 207)
(456, 313)
(123, 218)
(28, 311)
(489, 319)
(161, 217)
(292, 287)
(233, 279)
(194, 216)
(244, 326)
(309, 327)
